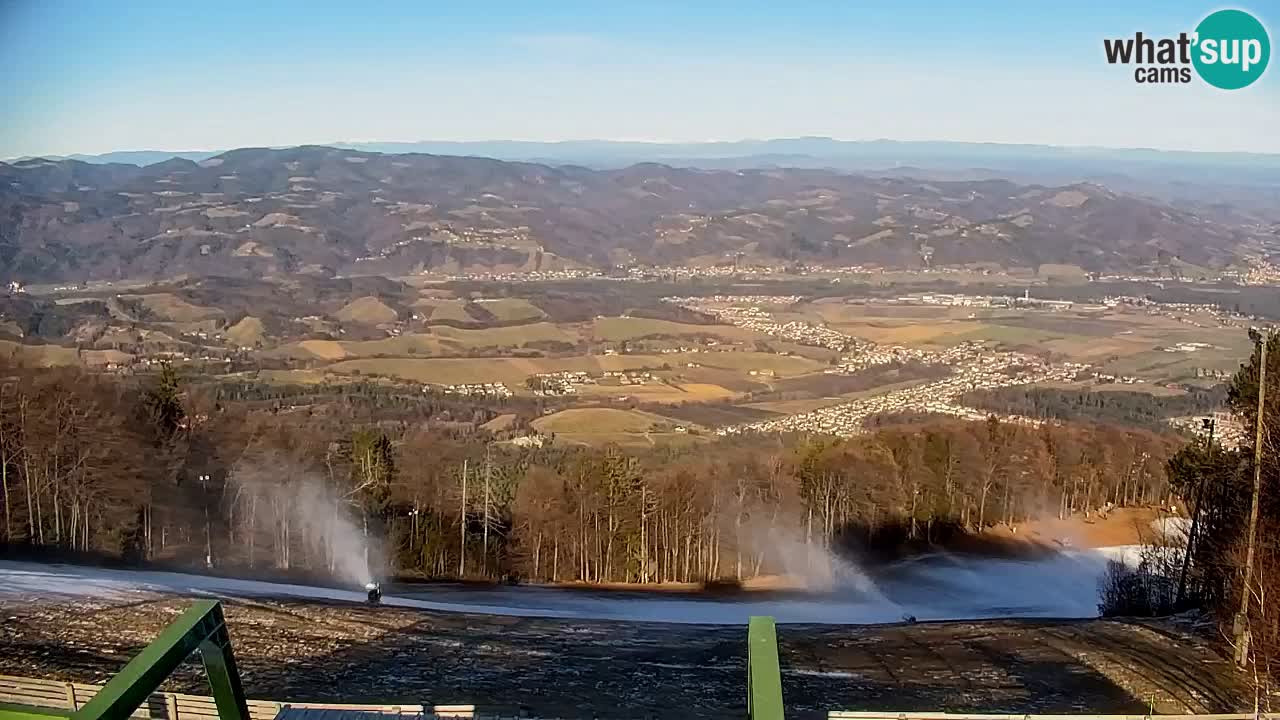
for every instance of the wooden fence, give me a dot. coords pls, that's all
(179, 706)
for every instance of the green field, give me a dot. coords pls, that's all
(513, 371)
(515, 336)
(617, 329)
(511, 309)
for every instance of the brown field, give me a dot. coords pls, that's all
(593, 421)
(246, 333)
(287, 377)
(512, 309)
(165, 306)
(444, 310)
(323, 349)
(38, 355)
(513, 371)
(713, 414)
(796, 407)
(516, 336)
(632, 440)
(659, 392)
(732, 380)
(745, 361)
(617, 329)
(98, 358)
(1121, 341)
(367, 310)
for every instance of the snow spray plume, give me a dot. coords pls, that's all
(811, 564)
(303, 512)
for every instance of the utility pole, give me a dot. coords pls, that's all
(1242, 633)
(488, 466)
(462, 526)
(1195, 518)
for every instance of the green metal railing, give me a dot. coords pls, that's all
(201, 628)
(764, 678)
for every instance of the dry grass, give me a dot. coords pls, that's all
(598, 420)
(617, 329)
(659, 392)
(38, 355)
(246, 333)
(796, 407)
(166, 306)
(512, 309)
(367, 310)
(516, 336)
(445, 310)
(99, 358)
(323, 349)
(513, 371)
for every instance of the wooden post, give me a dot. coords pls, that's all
(71, 696)
(171, 705)
(1243, 636)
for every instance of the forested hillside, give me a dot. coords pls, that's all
(163, 473)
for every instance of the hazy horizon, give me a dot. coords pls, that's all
(92, 78)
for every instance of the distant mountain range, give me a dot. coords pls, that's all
(1078, 162)
(334, 211)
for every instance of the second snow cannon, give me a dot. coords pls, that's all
(374, 592)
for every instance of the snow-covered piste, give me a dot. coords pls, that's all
(931, 587)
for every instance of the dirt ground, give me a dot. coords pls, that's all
(1121, 526)
(583, 669)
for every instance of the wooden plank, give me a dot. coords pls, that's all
(29, 681)
(58, 693)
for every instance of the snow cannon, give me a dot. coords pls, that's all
(374, 590)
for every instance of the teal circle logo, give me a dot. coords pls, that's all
(1232, 49)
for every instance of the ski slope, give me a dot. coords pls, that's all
(934, 587)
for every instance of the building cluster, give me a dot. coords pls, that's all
(981, 301)
(1181, 312)
(744, 312)
(1228, 431)
(1263, 273)
(980, 370)
(955, 356)
(493, 390)
(630, 377)
(529, 276)
(1118, 379)
(700, 302)
(1187, 347)
(688, 272)
(555, 384)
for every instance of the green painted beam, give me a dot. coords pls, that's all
(200, 628)
(764, 677)
(12, 711)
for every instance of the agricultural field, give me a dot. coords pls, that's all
(514, 370)
(1118, 341)
(511, 309)
(690, 362)
(617, 329)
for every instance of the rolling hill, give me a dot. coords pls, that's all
(323, 212)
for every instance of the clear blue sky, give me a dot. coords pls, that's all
(93, 76)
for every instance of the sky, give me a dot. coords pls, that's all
(89, 76)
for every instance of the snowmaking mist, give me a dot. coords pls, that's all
(302, 509)
(809, 565)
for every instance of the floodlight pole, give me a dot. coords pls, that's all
(1243, 636)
